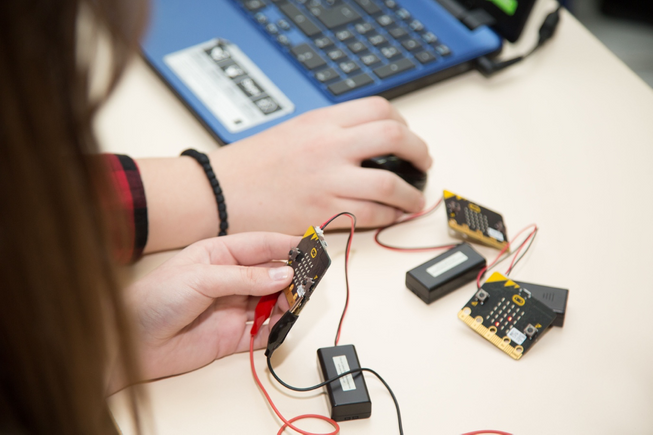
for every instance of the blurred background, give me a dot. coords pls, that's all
(624, 26)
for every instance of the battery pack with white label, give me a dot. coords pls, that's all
(348, 397)
(445, 273)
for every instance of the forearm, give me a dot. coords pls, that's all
(295, 174)
(181, 205)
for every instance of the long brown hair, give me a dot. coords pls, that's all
(62, 318)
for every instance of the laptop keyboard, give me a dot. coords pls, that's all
(345, 45)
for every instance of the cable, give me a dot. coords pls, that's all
(409, 218)
(287, 423)
(265, 308)
(516, 260)
(503, 251)
(347, 250)
(488, 66)
(328, 381)
(509, 255)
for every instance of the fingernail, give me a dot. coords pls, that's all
(398, 213)
(279, 273)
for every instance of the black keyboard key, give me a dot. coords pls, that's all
(336, 16)
(250, 87)
(254, 5)
(394, 68)
(398, 32)
(384, 20)
(364, 28)
(232, 70)
(390, 52)
(350, 84)
(368, 6)
(403, 14)
(299, 18)
(429, 38)
(370, 59)
(377, 40)
(349, 66)
(416, 25)
(425, 56)
(410, 44)
(322, 42)
(443, 50)
(356, 47)
(344, 35)
(336, 54)
(326, 75)
(307, 56)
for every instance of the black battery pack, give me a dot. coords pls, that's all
(347, 397)
(445, 273)
(553, 297)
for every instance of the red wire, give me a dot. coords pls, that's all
(512, 262)
(347, 251)
(482, 271)
(503, 250)
(408, 219)
(287, 423)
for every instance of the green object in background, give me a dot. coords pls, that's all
(507, 6)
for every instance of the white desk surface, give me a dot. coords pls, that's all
(564, 139)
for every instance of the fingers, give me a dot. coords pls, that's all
(370, 186)
(249, 248)
(361, 111)
(384, 137)
(215, 281)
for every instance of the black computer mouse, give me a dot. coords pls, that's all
(403, 168)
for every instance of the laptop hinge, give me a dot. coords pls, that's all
(472, 19)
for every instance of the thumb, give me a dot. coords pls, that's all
(222, 280)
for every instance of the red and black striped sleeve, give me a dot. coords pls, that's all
(131, 194)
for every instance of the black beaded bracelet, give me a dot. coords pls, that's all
(204, 161)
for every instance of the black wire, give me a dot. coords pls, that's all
(523, 253)
(347, 250)
(322, 384)
(410, 219)
(337, 216)
(508, 254)
(350, 372)
(547, 29)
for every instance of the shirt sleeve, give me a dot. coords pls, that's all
(131, 195)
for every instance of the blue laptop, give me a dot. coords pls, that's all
(243, 66)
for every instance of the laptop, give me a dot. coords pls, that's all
(243, 66)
